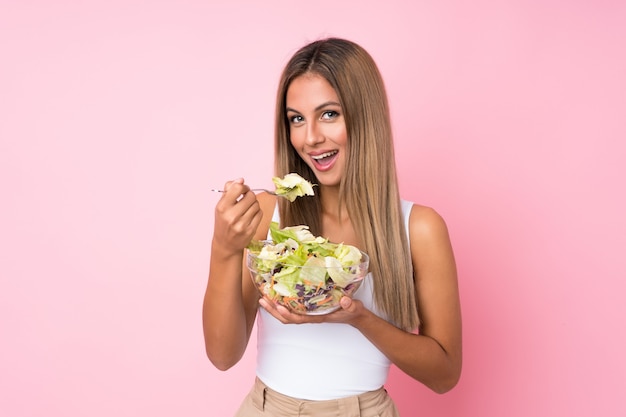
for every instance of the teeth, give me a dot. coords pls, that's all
(324, 155)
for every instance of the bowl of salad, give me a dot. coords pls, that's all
(304, 273)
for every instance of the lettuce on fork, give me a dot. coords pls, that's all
(292, 186)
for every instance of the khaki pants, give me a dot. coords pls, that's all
(265, 402)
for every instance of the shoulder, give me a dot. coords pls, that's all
(431, 250)
(426, 226)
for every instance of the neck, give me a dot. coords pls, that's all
(329, 197)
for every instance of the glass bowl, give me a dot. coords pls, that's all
(308, 289)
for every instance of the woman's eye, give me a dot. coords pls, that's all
(330, 114)
(295, 119)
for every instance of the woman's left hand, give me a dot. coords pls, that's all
(349, 312)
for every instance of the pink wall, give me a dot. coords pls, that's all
(117, 117)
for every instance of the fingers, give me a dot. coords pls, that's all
(235, 181)
(237, 215)
(346, 303)
(285, 316)
(233, 190)
(236, 193)
(350, 309)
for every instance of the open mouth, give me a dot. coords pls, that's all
(324, 160)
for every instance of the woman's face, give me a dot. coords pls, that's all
(317, 127)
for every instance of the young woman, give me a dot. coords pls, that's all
(333, 128)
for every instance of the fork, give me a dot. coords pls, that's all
(254, 190)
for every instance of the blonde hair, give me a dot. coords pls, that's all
(369, 187)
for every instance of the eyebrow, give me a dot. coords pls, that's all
(320, 107)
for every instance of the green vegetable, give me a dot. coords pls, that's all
(292, 186)
(309, 274)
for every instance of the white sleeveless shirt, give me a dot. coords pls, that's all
(321, 361)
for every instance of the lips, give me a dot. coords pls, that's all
(325, 160)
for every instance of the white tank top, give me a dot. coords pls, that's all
(321, 361)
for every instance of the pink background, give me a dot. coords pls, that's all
(118, 117)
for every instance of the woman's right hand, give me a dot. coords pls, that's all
(237, 217)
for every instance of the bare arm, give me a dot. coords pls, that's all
(434, 356)
(230, 301)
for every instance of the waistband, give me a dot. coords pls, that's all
(266, 399)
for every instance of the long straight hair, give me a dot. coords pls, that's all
(369, 187)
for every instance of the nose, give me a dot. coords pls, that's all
(314, 134)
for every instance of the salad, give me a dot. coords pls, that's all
(292, 186)
(305, 273)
